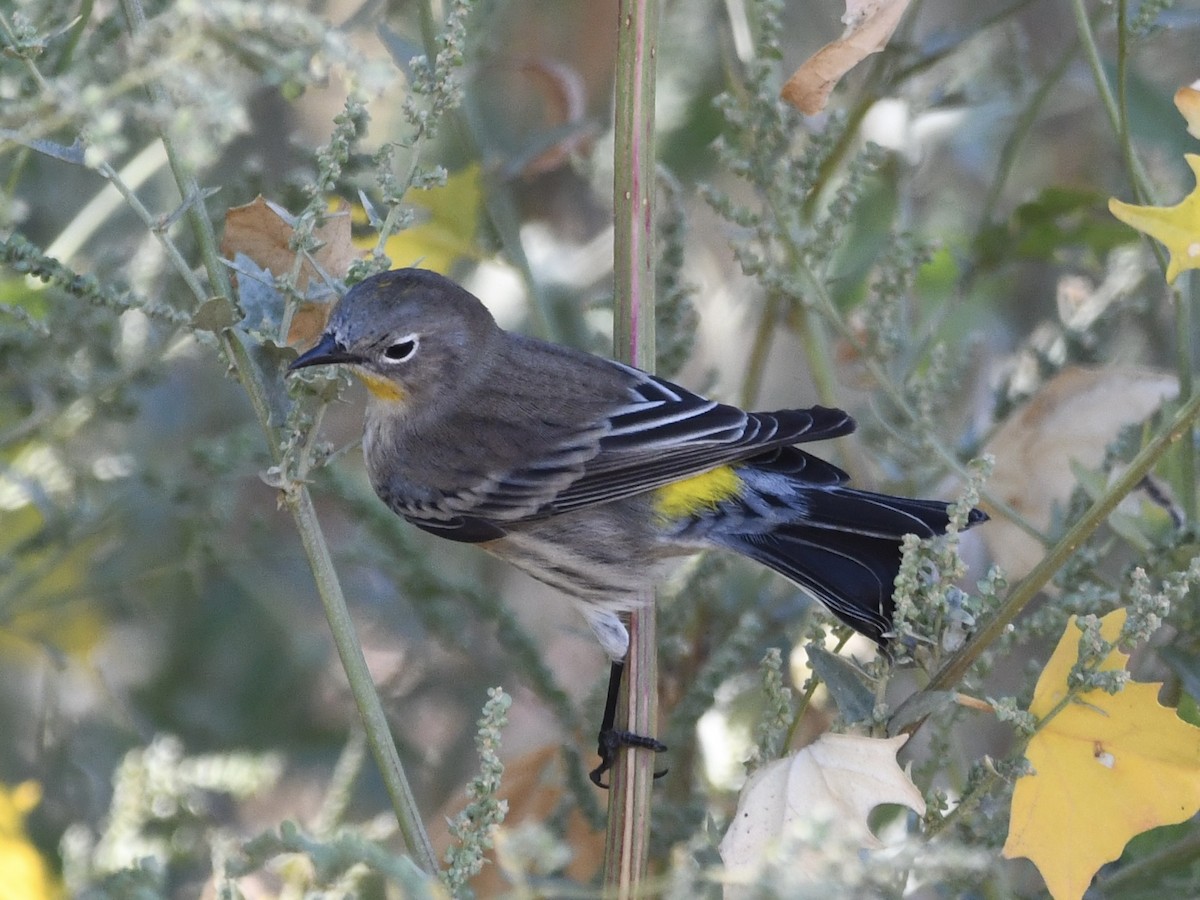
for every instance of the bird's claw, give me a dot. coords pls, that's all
(613, 739)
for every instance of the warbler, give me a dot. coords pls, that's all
(587, 473)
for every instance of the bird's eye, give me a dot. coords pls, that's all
(401, 350)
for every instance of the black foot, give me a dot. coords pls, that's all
(612, 740)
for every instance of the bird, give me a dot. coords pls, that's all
(588, 474)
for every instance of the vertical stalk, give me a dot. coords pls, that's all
(1185, 362)
(627, 848)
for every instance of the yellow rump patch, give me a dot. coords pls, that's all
(383, 388)
(697, 493)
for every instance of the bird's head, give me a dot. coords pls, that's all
(409, 334)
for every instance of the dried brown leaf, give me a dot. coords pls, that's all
(870, 24)
(1071, 419)
(262, 232)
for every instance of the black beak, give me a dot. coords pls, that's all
(327, 352)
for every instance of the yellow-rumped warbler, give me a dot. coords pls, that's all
(587, 473)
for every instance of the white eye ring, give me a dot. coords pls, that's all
(402, 350)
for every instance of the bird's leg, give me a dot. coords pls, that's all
(612, 739)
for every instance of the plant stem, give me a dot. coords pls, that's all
(1118, 114)
(498, 197)
(1185, 299)
(298, 499)
(1021, 130)
(956, 667)
(1150, 870)
(379, 736)
(627, 847)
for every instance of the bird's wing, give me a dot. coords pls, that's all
(663, 433)
(672, 434)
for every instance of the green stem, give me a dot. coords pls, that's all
(1185, 300)
(1122, 126)
(1021, 130)
(74, 35)
(627, 846)
(1185, 363)
(95, 213)
(172, 252)
(498, 196)
(298, 500)
(802, 707)
(1091, 52)
(956, 667)
(1149, 870)
(966, 803)
(185, 179)
(760, 347)
(1112, 109)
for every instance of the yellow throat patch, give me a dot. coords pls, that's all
(380, 387)
(697, 493)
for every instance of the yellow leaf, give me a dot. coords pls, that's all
(839, 775)
(1105, 769)
(24, 874)
(1177, 227)
(448, 230)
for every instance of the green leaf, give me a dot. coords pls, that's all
(215, 315)
(1184, 664)
(855, 700)
(1058, 218)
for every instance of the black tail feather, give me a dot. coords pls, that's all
(851, 574)
(845, 549)
(877, 515)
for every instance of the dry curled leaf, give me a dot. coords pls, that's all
(869, 26)
(262, 232)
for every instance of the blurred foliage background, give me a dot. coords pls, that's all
(150, 585)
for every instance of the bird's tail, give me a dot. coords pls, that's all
(843, 546)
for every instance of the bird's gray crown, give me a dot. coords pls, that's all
(407, 300)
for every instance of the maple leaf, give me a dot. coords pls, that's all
(843, 776)
(1106, 767)
(1176, 227)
